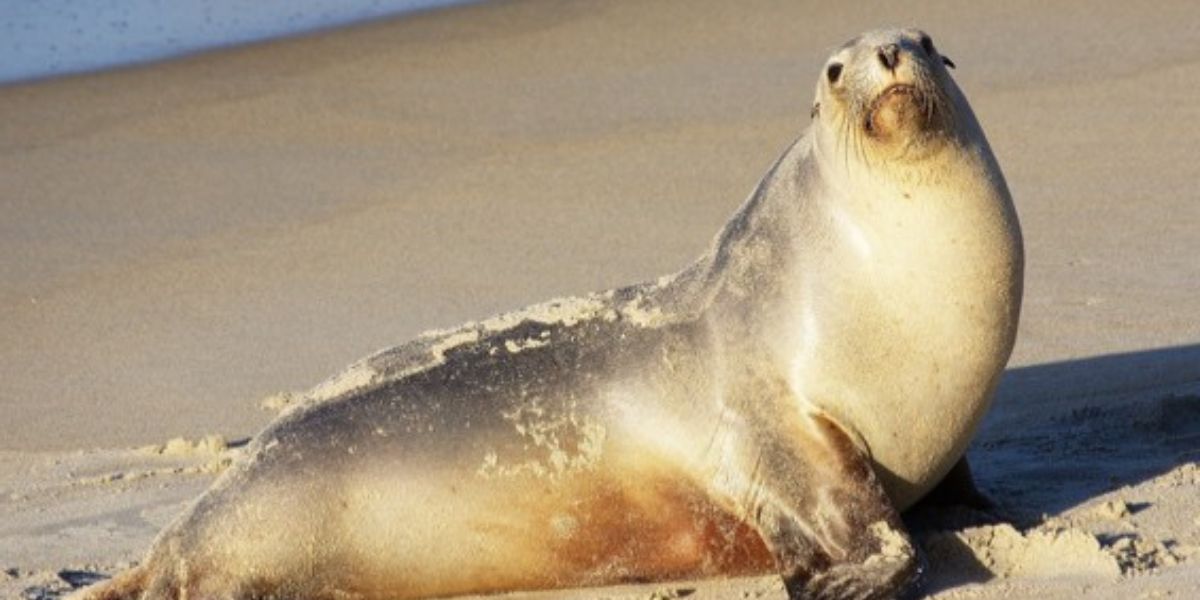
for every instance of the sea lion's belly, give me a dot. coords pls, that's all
(536, 498)
(572, 472)
(619, 521)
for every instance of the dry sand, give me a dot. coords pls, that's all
(182, 240)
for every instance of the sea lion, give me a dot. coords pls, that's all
(772, 407)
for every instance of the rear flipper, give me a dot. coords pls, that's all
(958, 488)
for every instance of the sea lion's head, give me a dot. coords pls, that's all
(887, 94)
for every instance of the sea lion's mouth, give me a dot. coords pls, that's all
(898, 106)
(897, 89)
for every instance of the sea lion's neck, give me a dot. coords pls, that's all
(743, 265)
(817, 209)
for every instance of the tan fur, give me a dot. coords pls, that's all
(772, 406)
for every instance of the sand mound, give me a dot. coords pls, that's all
(1003, 551)
(209, 444)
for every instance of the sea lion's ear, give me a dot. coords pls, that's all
(816, 110)
(946, 61)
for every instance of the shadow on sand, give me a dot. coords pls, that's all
(1063, 433)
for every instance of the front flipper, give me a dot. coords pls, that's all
(818, 505)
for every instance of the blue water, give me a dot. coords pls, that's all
(46, 38)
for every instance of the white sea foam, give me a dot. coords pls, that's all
(47, 38)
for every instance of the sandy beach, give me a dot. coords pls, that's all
(184, 240)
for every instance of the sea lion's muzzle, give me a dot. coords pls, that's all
(907, 100)
(899, 107)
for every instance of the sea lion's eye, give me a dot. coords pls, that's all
(927, 45)
(833, 72)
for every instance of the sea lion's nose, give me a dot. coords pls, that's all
(889, 55)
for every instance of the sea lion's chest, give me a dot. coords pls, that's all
(904, 321)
